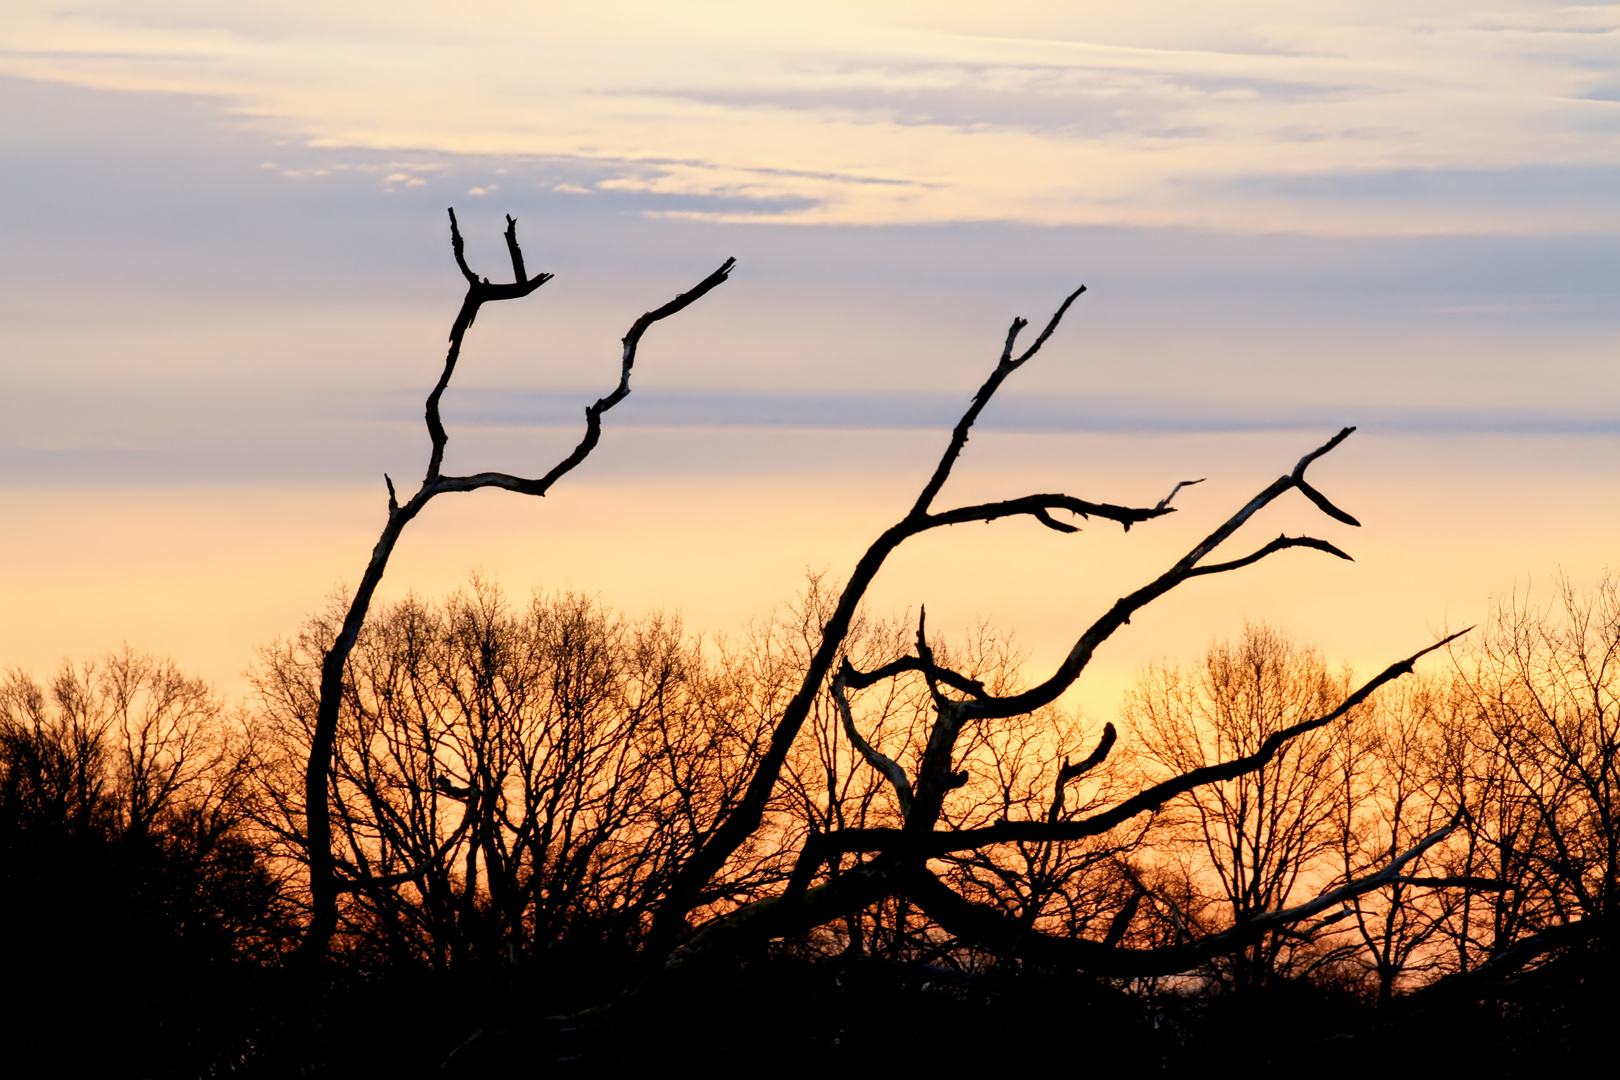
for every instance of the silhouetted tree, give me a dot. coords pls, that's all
(324, 884)
(477, 784)
(894, 860)
(1533, 751)
(1254, 843)
(1392, 792)
(129, 870)
(828, 784)
(904, 860)
(509, 783)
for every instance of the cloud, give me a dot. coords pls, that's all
(836, 113)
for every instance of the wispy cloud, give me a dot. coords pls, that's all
(833, 112)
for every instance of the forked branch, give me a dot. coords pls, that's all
(1187, 567)
(882, 763)
(670, 922)
(1069, 773)
(1007, 365)
(935, 778)
(319, 794)
(915, 844)
(935, 844)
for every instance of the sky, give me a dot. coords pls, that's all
(228, 284)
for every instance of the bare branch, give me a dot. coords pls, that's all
(1120, 614)
(1007, 366)
(1323, 504)
(875, 758)
(858, 680)
(1073, 772)
(1279, 544)
(1515, 957)
(458, 247)
(479, 291)
(1039, 507)
(1164, 503)
(935, 844)
(593, 414)
(318, 807)
(733, 832)
(1121, 921)
(1478, 884)
(1155, 796)
(1306, 933)
(991, 929)
(513, 249)
(926, 656)
(1300, 466)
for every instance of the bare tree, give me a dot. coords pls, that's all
(828, 784)
(901, 859)
(56, 754)
(127, 773)
(510, 782)
(1533, 749)
(130, 873)
(1394, 788)
(323, 873)
(1253, 843)
(931, 843)
(127, 742)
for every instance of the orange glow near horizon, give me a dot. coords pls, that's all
(207, 573)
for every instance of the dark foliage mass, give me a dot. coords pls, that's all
(470, 837)
(500, 884)
(139, 897)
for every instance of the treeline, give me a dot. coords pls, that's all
(137, 891)
(516, 786)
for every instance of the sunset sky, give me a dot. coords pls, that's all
(228, 282)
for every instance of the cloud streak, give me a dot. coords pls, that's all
(883, 113)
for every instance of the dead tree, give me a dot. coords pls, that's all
(1534, 742)
(1254, 842)
(897, 859)
(323, 878)
(1394, 786)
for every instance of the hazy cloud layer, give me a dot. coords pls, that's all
(186, 297)
(1331, 118)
